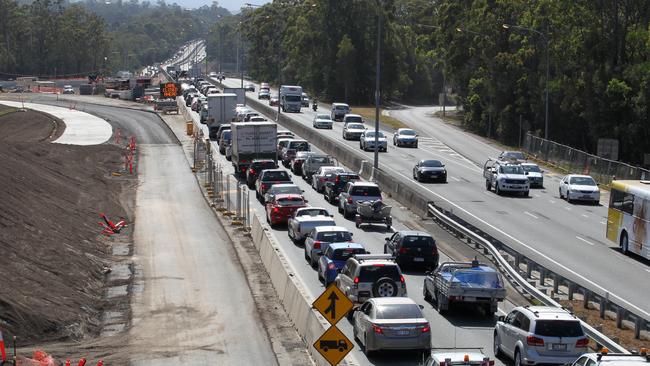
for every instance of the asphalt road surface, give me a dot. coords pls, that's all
(464, 327)
(567, 238)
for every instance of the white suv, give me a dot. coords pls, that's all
(365, 276)
(539, 335)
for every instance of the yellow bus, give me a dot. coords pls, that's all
(628, 216)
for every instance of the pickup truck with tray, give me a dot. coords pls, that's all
(305, 219)
(463, 282)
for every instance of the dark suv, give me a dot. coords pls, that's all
(413, 248)
(256, 168)
(338, 181)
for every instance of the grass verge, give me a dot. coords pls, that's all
(368, 113)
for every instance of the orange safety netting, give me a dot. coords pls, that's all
(39, 358)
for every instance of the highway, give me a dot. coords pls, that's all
(567, 238)
(465, 327)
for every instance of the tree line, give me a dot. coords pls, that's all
(55, 38)
(598, 60)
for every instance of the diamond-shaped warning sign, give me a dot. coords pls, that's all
(333, 304)
(333, 345)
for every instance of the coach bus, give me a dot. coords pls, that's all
(628, 216)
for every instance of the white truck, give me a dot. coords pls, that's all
(221, 108)
(505, 177)
(290, 98)
(240, 92)
(252, 140)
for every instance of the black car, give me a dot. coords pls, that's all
(255, 168)
(415, 248)
(430, 170)
(333, 188)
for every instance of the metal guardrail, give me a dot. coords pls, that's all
(591, 332)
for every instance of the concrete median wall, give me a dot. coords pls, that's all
(295, 300)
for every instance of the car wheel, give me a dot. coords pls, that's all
(624, 243)
(418, 177)
(525, 194)
(568, 197)
(366, 351)
(346, 214)
(487, 185)
(497, 190)
(416, 145)
(517, 358)
(496, 345)
(426, 294)
(439, 306)
(385, 287)
(560, 193)
(312, 261)
(306, 255)
(340, 209)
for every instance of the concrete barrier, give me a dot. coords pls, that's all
(295, 300)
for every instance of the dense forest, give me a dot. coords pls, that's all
(54, 37)
(598, 60)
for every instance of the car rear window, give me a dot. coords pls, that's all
(290, 201)
(267, 165)
(341, 107)
(558, 328)
(313, 212)
(418, 242)
(366, 191)
(280, 175)
(355, 126)
(287, 190)
(299, 145)
(354, 119)
(401, 311)
(374, 272)
(320, 159)
(347, 177)
(334, 236)
(344, 254)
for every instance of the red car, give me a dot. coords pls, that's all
(282, 207)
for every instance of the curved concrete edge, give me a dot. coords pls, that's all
(81, 128)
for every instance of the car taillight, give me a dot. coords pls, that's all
(331, 266)
(317, 244)
(402, 250)
(535, 341)
(264, 185)
(251, 171)
(276, 209)
(401, 279)
(582, 342)
(321, 179)
(356, 280)
(426, 329)
(338, 179)
(349, 199)
(377, 329)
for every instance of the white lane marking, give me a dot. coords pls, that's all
(567, 208)
(537, 195)
(551, 201)
(647, 270)
(586, 216)
(531, 215)
(456, 179)
(603, 223)
(488, 193)
(585, 240)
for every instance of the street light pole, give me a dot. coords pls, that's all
(546, 44)
(377, 88)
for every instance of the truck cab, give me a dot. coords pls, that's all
(290, 98)
(503, 176)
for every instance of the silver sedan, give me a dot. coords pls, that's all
(323, 121)
(385, 323)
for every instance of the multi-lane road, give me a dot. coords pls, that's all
(567, 238)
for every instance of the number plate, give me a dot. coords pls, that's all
(586, 196)
(469, 299)
(418, 259)
(559, 347)
(402, 332)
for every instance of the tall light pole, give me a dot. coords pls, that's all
(377, 84)
(546, 44)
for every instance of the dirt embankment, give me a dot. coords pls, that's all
(52, 257)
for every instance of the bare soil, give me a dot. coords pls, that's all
(52, 256)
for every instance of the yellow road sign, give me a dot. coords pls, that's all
(333, 304)
(333, 345)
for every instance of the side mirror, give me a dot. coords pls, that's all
(421, 307)
(331, 215)
(387, 239)
(302, 190)
(526, 173)
(501, 318)
(306, 201)
(368, 252)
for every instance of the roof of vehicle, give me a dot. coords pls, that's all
(634, 359)
(355, 126)
(288, 195)
(364, 184)
(337, 104)
(578, 176)
(392, 300)
(413, 233)
(404, 129)
(262, 161)
(548, 312)
(458, 356)
(528, 164)
(346, 245)
(274, 170)
(319, 229)
(283, 185)
(352, 115)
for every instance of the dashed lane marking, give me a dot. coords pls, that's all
(585, 240)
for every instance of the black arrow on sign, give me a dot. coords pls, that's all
(332, 307)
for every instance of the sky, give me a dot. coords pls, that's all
(233, 5)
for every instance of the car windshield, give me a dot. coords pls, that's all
(514, 155)
(285, 190)
(261, 165)
(290, 201)
(366, 191)
(276, 175)
(558, 328)
(355, 126)
(344, 178)
(293, 98)
(583, 181)
(320, 159)
(344, 254)
(334, 236)
(313, 212)
(418, 242)
(531, 168)
(299, 145)
(399, 311)
(374, 272)
(372, 134)
(431, 163)
(407, 133)
(477, 278)
(511, 169)
(341, 107)
(353, 119)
